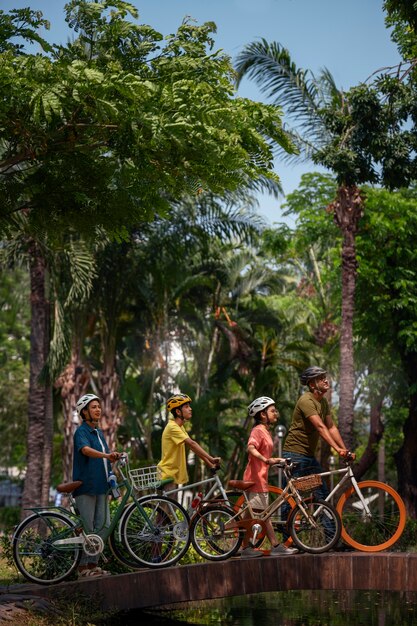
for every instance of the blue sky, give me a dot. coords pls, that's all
(349, 38)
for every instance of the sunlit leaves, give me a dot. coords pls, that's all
(117, 104)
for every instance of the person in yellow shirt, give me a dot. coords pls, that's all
(174, 439)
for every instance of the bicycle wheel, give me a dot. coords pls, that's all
(210, 536)
(120, 552)
(385, 524)
(318, 529)
(155, 531)
(35, 554)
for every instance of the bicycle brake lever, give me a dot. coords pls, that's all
(290, 463)
(122, 460)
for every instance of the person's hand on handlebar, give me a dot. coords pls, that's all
(346, 454)
(115, 456)
(215, 465)
(275, 461)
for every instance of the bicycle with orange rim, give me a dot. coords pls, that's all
(373, 514)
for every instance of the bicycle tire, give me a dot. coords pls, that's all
(209, 536)
(319, 536)
(165, 543)
(34, 553)
(387, 522)
(120, 552)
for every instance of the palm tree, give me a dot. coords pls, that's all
(323, 129)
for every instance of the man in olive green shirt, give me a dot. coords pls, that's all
(311, 420)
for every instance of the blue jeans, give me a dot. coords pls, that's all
(95, 514)
(305, 465)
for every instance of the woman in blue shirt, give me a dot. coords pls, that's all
(92, 460)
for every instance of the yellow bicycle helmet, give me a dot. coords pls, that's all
(174, 402)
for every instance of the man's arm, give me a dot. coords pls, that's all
(330, 433)
(211, 461)
(96, 454)
(334, 431)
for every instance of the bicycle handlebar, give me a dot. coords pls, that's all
(122, 461)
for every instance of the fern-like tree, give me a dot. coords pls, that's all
(104, 132)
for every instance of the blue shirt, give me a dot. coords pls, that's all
(91, 471)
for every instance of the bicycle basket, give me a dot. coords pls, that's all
(145, 478)
(307, 483)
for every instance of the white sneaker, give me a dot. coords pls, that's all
(250, 553)
(281, 550)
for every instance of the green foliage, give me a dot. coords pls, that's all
(14, 360)
(387, 281)
(402, 18)
(9, 518)
(365, 135)
(21, 23)
(6, 541)
(107, 129)
(407, 541)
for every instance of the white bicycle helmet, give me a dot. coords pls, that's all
(260, 404)
(85, 401)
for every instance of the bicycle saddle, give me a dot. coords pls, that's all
(69, 487)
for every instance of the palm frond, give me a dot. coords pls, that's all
(297, 91)
(328, 90)
(82, 268)
(305, 147)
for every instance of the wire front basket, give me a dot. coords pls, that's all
(145, 478)
(307, 483)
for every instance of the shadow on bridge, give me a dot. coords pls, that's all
(188, 583)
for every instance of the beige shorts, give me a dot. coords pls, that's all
(258, 500)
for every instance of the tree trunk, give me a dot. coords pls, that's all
(37, 412)
(109, 387)
(406, 457)
(347, 210)
(73, 382)
(376, 431)
(347, 371)
(47, 447)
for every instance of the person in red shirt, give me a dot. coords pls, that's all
(259, 448)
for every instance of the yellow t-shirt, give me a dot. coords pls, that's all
(173, 463)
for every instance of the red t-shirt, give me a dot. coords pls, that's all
(257, 470)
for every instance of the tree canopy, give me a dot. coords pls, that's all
(106, 130)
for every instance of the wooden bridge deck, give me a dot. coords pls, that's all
(188, 583)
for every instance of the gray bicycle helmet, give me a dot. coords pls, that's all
(310, 373)
(260, 404)
(85, 401)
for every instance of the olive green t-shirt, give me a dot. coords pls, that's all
(303, 436)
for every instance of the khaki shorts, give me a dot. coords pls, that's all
(258, 500)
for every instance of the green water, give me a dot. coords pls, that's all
(292, 608)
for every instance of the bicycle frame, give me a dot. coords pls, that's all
(347, 479)
(217, 486)
(290, 491)
(107, 531)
